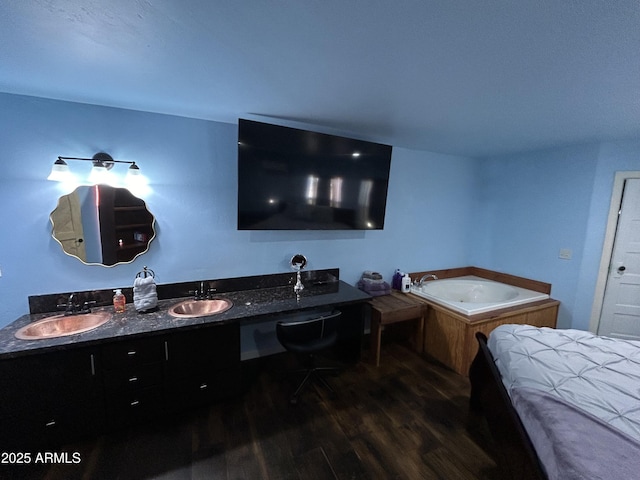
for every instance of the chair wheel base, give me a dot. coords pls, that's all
(313, 375)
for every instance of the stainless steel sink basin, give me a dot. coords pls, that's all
(200, 308)
(61, 325)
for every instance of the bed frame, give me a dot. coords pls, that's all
(514, 450)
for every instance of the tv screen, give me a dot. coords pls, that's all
(292, 179)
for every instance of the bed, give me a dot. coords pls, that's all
(560, 404)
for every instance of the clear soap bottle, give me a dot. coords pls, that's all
(119, 301)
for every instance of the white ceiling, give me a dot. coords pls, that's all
(464, 77)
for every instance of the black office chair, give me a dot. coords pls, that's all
(306, 338)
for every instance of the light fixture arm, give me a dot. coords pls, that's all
(103, 158)
(102, 162)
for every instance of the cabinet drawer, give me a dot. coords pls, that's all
(129, 407)
(122, 355)
(133, 377)
(200, 390)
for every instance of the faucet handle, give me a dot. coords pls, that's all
(86, 306)
(70, 306)
(203, 292)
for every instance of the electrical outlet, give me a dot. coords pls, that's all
(565, 254)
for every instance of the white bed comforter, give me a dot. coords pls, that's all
(597, 374)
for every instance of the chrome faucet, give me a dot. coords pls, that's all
(424, 277)
(71, 307)
(202, 294)
(198, 294)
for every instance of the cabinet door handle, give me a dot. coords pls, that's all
(166, 351)
(135, 403)
(133, 379)
(204, 386)
(50, 423)
(93, 366)
(131, 353)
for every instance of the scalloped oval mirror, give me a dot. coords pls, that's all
(102, 225)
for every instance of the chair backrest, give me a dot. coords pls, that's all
(309, 331)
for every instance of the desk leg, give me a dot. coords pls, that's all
(376, 336)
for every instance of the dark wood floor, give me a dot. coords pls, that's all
(407, 419)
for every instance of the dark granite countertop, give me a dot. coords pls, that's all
(248, 306)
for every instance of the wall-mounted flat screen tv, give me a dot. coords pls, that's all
(292, 179)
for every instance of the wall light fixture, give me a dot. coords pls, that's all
(102, 164)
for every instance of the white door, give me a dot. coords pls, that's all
(620, 315)
(67, 226)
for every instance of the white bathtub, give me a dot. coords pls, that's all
(470, 295)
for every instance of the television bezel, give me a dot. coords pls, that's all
(326, 139)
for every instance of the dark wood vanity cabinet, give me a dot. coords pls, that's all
(49, 398)
(202, 365)
(55, 391)
(52, 398)
(151, 376)
(350, 331)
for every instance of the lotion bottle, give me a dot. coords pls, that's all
(119, 301)
(406, 283)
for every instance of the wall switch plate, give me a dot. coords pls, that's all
(565, 254)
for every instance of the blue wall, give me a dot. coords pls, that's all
(191, 165)
(512, 214)
(534, 204)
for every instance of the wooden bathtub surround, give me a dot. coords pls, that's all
(394, 308)
(449, 336)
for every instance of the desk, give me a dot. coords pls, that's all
(393, 308)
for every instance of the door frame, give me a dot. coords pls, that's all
(607, 247)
